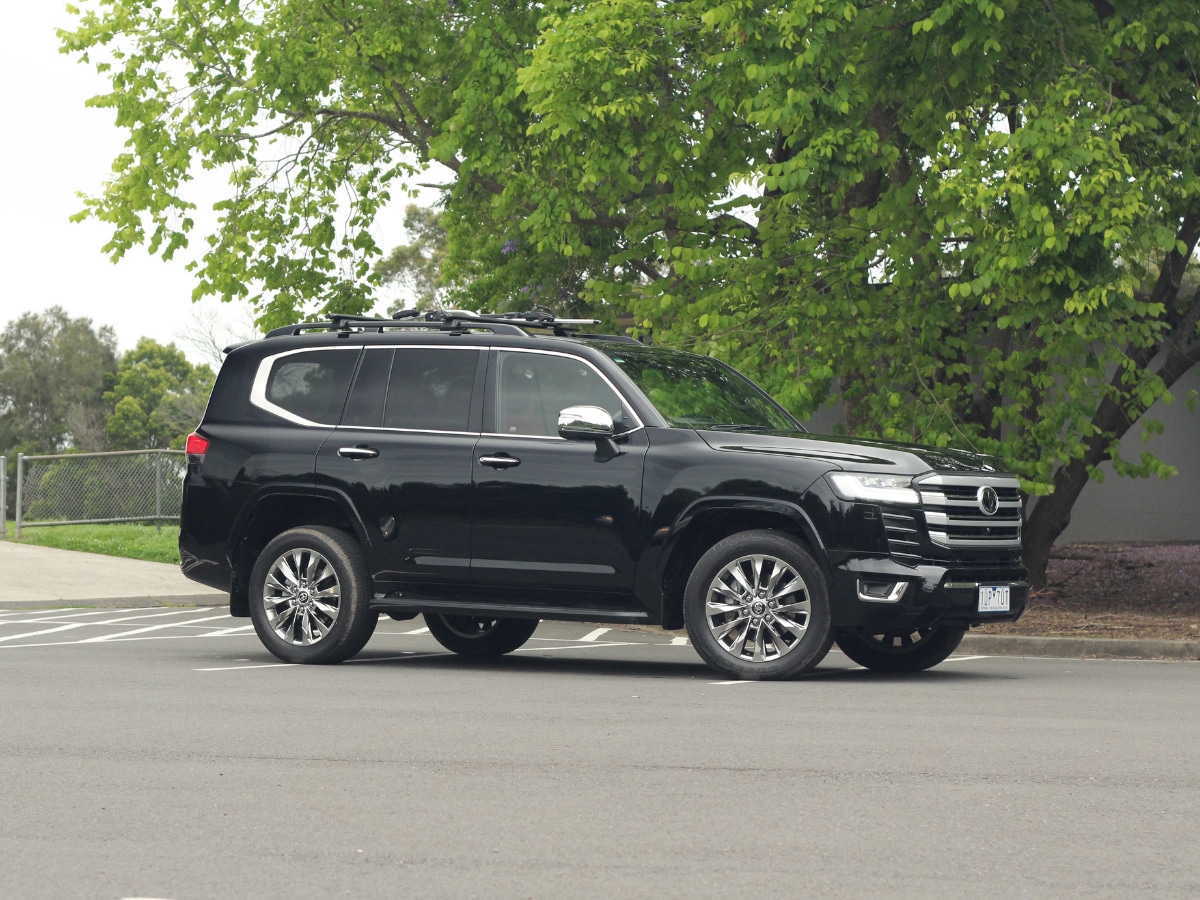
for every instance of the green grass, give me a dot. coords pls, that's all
(131, 540)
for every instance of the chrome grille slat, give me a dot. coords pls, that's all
(956, 521)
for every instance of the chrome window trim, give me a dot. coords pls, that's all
(405, 430)
(587, 362)
(1005, 481)
(258, 390)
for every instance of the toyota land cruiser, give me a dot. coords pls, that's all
(488, 472)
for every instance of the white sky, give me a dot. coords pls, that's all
(51, 148)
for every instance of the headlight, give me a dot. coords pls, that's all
(875, 488)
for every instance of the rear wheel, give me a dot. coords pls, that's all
(909, 651)
(310, 598)
(757, 607)
(480, 635)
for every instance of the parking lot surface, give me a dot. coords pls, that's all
(163, 753)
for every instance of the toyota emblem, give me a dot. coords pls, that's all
(988, 499)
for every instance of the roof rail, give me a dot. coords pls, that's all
(452, 320)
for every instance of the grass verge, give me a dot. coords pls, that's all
(130, 540)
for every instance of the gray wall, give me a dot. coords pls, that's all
(1130, 509)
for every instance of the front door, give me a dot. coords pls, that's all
(550, 513)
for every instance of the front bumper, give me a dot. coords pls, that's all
(866, 595)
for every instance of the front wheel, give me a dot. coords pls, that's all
(757, 607)
(480, 635)
(310, 596)
(909, 651)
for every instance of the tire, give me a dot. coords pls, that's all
(480, 635)
(310, 597)
(912, 651)
(757, 607)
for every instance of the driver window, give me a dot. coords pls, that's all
(533, 388)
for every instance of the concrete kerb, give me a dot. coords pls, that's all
(1078, 648)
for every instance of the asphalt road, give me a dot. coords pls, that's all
(163, 753)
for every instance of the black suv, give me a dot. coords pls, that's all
(491, 471)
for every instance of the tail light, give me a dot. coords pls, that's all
(196, 447)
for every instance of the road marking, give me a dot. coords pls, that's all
(17, 637)
(417, 631)
(121, 634)
(739, 681)
(278, 665)
(583, 647)
(592, 635)
(49, 619)
(963, 658)
(238, 629)
(678, 642)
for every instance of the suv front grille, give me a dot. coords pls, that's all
(957, 517)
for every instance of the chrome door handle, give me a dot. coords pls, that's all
(358, 452)
(500, 462)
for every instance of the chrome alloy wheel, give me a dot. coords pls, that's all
(301, 596)
(758, 608)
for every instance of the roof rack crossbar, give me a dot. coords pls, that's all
(453, 320)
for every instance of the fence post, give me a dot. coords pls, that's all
(158, 493)
(3, 497)
(20, 478)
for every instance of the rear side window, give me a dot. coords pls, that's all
(430, 389)
(307, 387)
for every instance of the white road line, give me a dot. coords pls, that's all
(157, 637)
(54, 619)
(739, 681)
(278, 665)
(17, 637)
(678, 642)
(227, 631)
(121, 634)
(157, 615)
(417, 631)
(592, 635)
(582, 647)
(963, 658)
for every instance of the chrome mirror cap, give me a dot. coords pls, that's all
(585, 423)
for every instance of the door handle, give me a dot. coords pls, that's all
(503, 461)
(358, 452)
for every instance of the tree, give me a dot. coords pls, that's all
(973, 218)
(157, 399)
(53, 372)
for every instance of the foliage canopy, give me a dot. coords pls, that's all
(972, 217)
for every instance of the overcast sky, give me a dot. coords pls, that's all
(53, 147)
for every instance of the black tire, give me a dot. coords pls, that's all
(480, 635)
(322, 613)
(786, 636)
(912, 651)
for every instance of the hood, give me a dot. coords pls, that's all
(850, 454)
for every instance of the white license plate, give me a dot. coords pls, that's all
(994, 599)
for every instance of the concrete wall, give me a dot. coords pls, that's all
(1148, 509)
(1129, 509)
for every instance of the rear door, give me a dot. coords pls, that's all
(403, 456)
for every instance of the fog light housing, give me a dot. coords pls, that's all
(881, 591)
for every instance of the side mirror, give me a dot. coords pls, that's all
(585, 423)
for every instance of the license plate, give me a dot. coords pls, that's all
(994, 599)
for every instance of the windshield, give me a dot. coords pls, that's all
(692, 391)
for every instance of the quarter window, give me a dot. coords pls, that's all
(312, 385)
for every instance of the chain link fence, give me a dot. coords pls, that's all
(95, 488)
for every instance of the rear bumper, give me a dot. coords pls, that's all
(878, 595)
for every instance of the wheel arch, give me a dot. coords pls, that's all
(273, 511)
(713, 519)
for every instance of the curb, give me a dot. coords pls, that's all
(1078, 648)
(119, 602)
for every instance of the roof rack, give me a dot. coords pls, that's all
(451, 320)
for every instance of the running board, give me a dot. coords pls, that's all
(507, 610)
